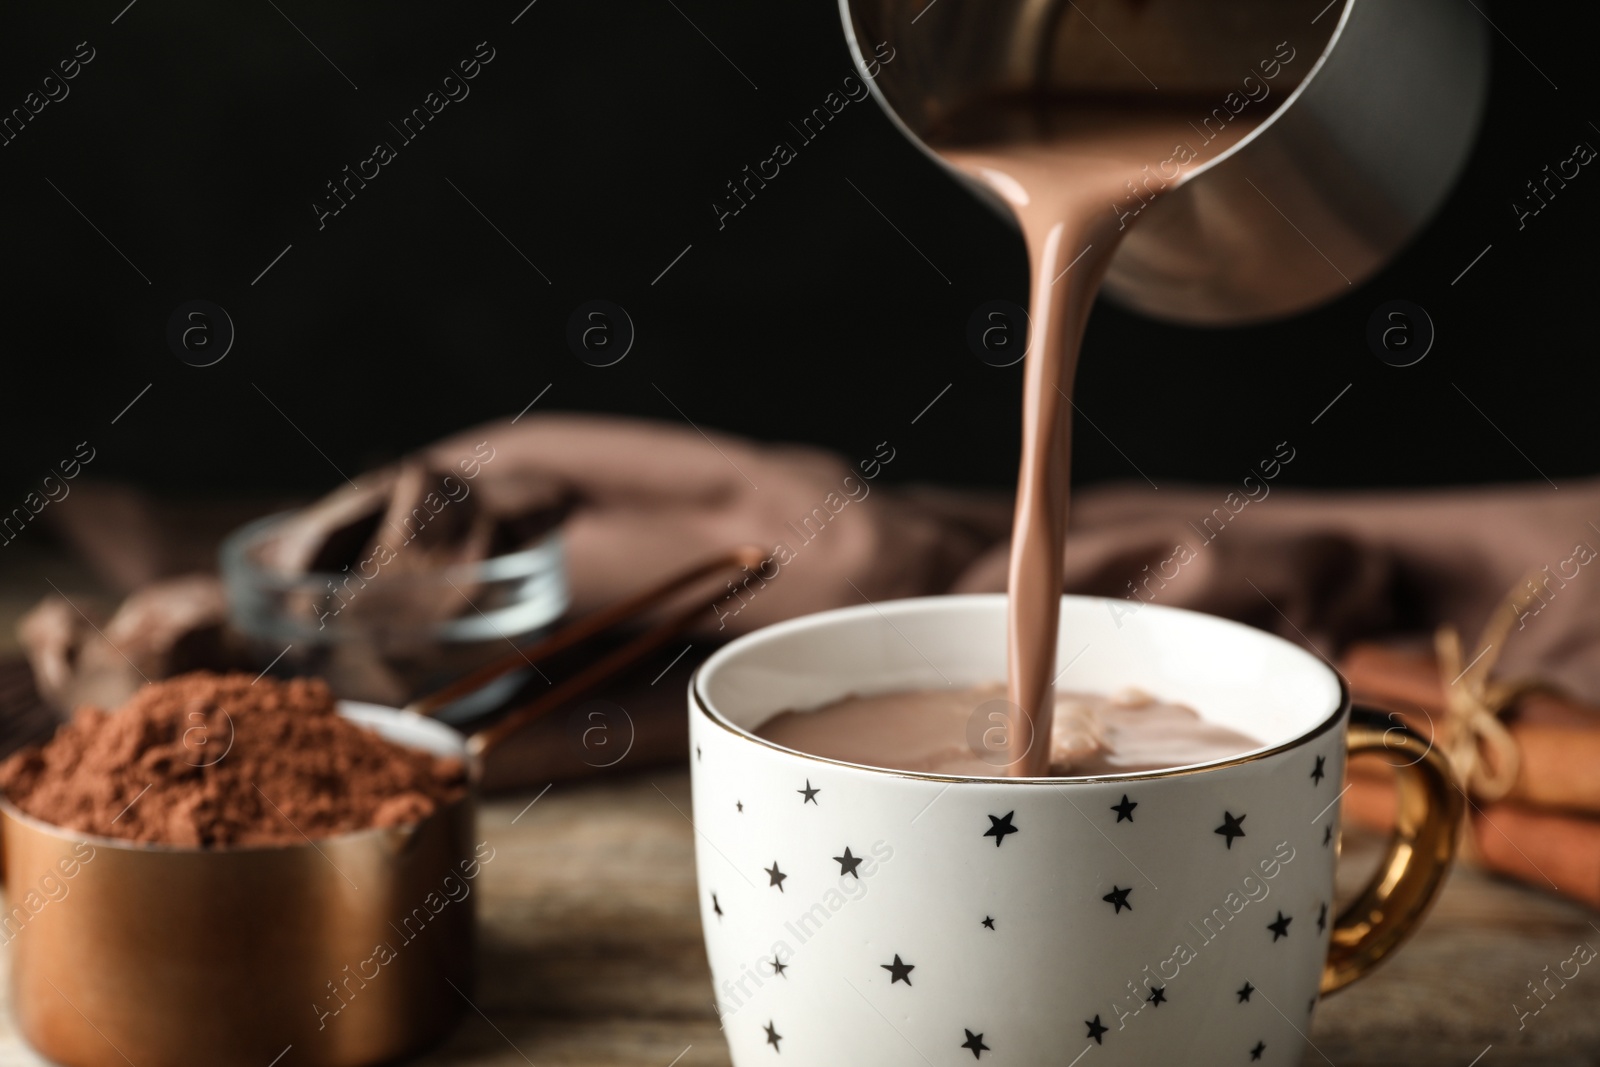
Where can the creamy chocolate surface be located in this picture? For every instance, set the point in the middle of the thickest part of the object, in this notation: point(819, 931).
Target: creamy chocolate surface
point(949, 731)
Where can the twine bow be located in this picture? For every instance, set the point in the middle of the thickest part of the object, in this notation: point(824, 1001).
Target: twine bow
point(1482, 751)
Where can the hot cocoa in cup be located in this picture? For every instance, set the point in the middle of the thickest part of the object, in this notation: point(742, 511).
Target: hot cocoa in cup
point(962, 730)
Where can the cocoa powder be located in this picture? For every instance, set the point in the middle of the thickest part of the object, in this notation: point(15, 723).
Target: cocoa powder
point(215, 760)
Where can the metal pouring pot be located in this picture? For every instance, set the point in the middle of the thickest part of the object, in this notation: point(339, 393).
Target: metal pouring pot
point(1362, 130)
point(345, 951)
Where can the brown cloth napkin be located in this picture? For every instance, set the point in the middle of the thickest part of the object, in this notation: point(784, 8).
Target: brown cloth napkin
point(655, 497)
point(1320, 568)
point(1326, 569)
point(651, 498)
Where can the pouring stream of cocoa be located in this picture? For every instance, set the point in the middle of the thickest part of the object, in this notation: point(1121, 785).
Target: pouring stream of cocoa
point(1076, 178)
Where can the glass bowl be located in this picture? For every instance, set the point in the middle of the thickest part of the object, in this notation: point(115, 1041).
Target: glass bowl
point(388, 638)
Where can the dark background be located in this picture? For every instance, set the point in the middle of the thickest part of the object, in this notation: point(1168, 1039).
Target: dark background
point(596, 141)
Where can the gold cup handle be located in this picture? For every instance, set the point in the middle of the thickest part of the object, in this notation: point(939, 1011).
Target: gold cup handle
point(1413, 869)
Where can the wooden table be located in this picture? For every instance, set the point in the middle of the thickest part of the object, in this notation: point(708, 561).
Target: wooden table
point(591, 954)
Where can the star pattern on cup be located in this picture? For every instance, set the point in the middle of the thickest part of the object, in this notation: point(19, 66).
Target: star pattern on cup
point(999, 827)
point(899, 971)
point(1118, 898)
point(1002, 826)
point(975, 1043)
point(1231, 827)
point(848, 864)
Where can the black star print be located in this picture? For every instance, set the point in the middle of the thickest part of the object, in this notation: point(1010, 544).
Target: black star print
point(1322, 919)
point(715, 906)
point(1317, 773)
point(777, 876)
point(898, 971)
point(778, 967)
point(740, 805)
point(809, 793)
point(1311, 1005)
point(773, 1037)
point(697, 752)
point(1119, 898)
point(975, 1043)
point(848, 863)
point(1096, 1031)
point(988, 921)
point(1125, 809)
point(1231, 827)
point(1000, 827)
point(1327, 835)
point(1280, 928)
point(1255, 1053)
point(1244, 994)
point(1158, 995)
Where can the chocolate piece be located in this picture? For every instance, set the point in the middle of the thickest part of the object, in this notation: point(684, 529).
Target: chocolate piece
point(523, 506)
point(174, 626)
point(416, 517)
point(432, 521)
point(171, 626)
point(329, 535)
point(51, 635)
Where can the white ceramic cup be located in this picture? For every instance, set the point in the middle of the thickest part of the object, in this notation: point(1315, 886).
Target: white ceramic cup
point(861, 916)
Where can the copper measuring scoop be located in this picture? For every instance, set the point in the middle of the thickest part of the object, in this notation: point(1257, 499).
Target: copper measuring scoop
point(353, 949)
